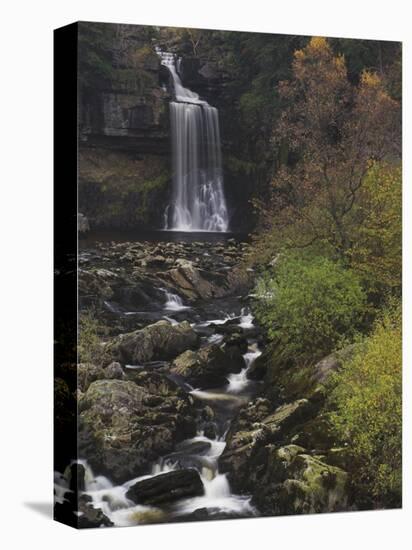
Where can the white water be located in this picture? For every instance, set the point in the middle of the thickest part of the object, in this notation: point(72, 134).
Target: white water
point(174, 302)
point(246, 319)
point(112, 500)
point(198, 199)
point(239, 382)
point(215, 339)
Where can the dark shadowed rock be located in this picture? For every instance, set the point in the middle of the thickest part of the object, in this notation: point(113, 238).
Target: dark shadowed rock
point(90, 516)
point(167, 487)
point(209, 366)
point(257, 370)
point(193, 447)
point(80, 513)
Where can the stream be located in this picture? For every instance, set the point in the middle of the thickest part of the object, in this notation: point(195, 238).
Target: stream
point(201, 452)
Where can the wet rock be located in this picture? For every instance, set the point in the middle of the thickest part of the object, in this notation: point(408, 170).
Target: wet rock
point(77, 477)
point(209, 430)
point(208, 413)
point(207, 367)
point(160, 341)
point(237, 340)
point(80, 513)
point(257, 371)
point(193, 447)
point(167, 487)
point(90, 516)
point(124, 427)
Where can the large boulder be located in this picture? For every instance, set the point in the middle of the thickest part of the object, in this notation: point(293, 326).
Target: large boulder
point(88, 373)
point(297, 483)
point(160, 341)
point(250, 433)
point(124, 427)
point(96, 284)
point(209, 366)
point(289, 415)
point(332, 363)
point(167, 487)
point(195, 283)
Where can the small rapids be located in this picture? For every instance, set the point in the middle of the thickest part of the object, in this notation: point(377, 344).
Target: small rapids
point(238, 382)
point(218, 498)
point(174, 302)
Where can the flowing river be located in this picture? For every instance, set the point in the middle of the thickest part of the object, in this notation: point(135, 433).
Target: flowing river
point(201, 452)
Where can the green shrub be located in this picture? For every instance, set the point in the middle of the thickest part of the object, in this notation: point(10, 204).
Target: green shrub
point(308, 306)
point(89, 345)
point(367, 413)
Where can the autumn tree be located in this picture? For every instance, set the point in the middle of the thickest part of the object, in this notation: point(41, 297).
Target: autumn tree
point(328, 134)
point(376, 252)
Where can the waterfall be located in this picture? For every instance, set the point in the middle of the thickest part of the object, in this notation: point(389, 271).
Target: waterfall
point(198, 198)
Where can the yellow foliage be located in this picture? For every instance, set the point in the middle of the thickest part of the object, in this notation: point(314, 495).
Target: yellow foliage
point(318, 43)
point(376, 252)
point(371, 79)
point(367, 398)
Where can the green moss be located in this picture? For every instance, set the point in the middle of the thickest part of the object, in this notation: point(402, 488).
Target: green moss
point(118, 190)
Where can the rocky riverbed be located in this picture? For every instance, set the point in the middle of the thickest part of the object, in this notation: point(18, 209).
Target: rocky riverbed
point(182, 415)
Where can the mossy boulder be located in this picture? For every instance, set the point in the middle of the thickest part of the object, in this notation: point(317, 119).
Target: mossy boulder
point(245, 455)
point(160, 341)
point(298, 483)
point(124, 427)
point(88, 373)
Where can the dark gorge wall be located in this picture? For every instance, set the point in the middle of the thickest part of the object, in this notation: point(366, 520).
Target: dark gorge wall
point(124, 143)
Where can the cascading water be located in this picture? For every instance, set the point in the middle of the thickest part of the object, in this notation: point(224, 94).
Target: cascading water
point(217, 498)
point(198, 198)
point(174, 302)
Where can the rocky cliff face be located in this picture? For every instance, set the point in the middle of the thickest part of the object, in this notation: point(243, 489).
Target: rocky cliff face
point(124, 145)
